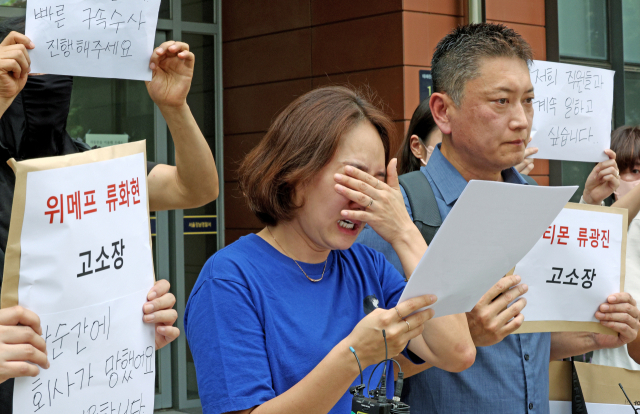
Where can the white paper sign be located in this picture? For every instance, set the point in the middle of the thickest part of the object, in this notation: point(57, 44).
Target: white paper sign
point(572, 111)
point(573, 267)
point(102, 360)
point(95, 38)
point(85, 269)
point(491, 227)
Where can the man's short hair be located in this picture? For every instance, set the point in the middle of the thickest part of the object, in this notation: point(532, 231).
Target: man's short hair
point(300, 142)
point(456, 59)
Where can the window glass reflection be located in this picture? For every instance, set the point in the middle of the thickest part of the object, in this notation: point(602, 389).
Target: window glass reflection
point(107, 112)
point(165, 9)
point(200, 11)
point(13, 3)
point(632, 98)
point(583, 28)
point(630, 24)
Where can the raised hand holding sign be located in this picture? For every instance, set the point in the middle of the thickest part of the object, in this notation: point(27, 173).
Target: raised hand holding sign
point(96, 38)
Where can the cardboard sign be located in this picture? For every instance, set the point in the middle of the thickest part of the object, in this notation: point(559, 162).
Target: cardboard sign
point(574, 266)
point(572, 111)
point(79, 255)
point(598, 385)
point(95, 38)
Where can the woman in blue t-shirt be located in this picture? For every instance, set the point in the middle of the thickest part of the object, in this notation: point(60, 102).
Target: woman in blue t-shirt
point(272, 316)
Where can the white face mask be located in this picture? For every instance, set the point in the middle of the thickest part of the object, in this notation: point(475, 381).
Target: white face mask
point(429, 152)
point(625, 187)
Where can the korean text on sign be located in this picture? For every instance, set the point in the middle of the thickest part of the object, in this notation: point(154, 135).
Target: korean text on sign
point(97, 38)
point(572, 111)
point(85, 269)
point(574, 266)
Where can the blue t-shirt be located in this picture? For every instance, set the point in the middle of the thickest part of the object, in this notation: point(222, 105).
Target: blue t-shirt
point(256, 326)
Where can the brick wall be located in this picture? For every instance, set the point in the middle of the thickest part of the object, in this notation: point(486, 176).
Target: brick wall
point(274, 51)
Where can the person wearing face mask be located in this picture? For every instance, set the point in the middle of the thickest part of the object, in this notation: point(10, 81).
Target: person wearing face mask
point(625, 141)
point(421, 138)
point(33, 114)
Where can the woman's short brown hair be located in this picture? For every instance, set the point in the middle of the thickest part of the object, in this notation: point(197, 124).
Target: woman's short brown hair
point(300, 142)
point(625, 142)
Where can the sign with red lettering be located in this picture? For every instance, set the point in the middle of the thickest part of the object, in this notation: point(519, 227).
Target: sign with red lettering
point(79, 255)
point(576, 264)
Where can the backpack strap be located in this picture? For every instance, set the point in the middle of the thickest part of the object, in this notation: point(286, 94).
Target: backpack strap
point(426, 215)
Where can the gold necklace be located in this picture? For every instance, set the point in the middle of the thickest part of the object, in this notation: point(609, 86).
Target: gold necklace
point(294, 260)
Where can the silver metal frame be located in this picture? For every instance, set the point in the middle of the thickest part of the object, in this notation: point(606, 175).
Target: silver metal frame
point(176, 27)
point(163, 357)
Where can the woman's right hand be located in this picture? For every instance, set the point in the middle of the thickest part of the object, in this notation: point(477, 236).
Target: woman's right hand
point(366, 338)
point(21, 345)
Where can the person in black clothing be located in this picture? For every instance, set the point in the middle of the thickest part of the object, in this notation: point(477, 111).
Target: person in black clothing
point(33, 115)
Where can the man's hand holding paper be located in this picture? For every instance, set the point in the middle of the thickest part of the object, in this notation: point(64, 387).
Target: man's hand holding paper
point(619, 313)
point(603, 180)
point(492, 318)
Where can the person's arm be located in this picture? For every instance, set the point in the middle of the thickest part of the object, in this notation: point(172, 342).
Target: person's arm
point(321, 389)
point(193, 182)
point(14, 67)
point(446, 342)
point(631, 201)
point(22, 348)
point(208, 323)
point(619, 313)
point(603, 180)
point(634, 349)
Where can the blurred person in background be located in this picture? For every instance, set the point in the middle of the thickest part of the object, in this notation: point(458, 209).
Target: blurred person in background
point(625, 142)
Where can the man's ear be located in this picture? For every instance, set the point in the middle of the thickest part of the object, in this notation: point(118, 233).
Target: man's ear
point(441, 105)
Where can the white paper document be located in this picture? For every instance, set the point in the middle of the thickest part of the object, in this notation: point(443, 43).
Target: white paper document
point(573, 267)
point(564, 407)
point(85, 269)
point(491, 227)
point(102, 360)
point(95, 38)
point(572, 111)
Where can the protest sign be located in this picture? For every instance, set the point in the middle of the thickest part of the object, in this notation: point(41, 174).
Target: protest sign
point(574, 266)
point(572, 111)
point(483, 237)
point(95, 38)
point(595, 388)
point(79, 255)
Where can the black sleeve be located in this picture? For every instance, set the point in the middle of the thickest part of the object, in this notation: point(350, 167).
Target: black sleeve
point(150, 166)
